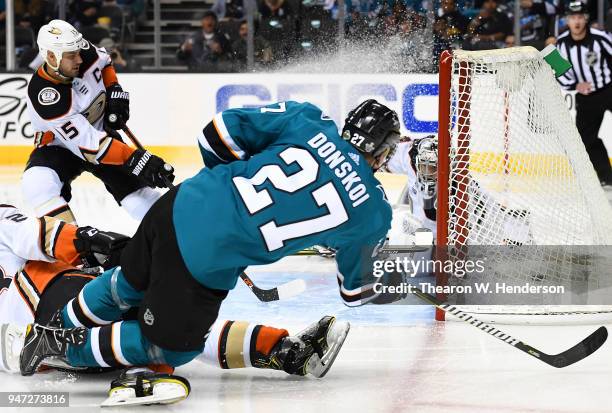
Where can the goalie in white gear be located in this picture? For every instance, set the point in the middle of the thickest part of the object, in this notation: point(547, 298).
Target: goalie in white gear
point(76, 105)
point(418, 159)
point(416, 208)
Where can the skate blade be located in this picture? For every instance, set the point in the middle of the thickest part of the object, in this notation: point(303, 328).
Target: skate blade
point(59, 363)
point(12, 337)
point(335, 339)
point(163, 393)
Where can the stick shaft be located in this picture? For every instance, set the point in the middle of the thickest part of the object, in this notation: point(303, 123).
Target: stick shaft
point(132, 137)
point(578, 352)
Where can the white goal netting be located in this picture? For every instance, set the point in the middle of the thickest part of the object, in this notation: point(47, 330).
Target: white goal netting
point(519, 175)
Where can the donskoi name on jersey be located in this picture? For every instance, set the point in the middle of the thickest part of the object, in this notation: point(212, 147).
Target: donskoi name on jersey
point(337, 162)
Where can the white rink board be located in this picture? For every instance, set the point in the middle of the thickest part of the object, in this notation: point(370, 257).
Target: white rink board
point(170, 109)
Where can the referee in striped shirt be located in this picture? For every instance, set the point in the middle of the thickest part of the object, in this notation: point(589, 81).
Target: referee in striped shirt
point(590, 53)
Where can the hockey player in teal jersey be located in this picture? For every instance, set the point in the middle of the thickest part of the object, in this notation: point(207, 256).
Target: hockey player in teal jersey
point(302, 185)
point(278, 179)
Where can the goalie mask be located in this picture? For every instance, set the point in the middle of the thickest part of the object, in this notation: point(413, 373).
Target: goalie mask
point(426, 163)
point(372, 128)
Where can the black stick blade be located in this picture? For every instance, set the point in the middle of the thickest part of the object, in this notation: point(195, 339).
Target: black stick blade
point(266, 295)
point(581, 350)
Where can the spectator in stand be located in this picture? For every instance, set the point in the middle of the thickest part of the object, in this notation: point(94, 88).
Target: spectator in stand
point(135, 8)
point(263, 50)
point(208, 49)
point(456, 23)
point(393, 15)
point(392, 6)
point(363, 8)
point(534, 25)
point(361, 18)
point(121, 59)
point(275, 8)
point(2, 12)
point(30, 13)
point(489, 29)
point(414, 52)
point(388, 26)
point(228, 9)
point(85, 13)
point(277, 25)
point(449, 29)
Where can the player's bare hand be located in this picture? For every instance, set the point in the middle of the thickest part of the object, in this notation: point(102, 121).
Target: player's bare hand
point(187, 46)
point(584, 88)
point(216, 47)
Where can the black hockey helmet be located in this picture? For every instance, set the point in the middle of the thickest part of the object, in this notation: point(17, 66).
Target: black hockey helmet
point(576, 7)
point(372, 128)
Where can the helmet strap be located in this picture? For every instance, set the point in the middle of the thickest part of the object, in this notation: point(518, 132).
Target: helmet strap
point(56, 69)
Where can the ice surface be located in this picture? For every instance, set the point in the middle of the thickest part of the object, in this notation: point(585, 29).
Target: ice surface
point(395, 359)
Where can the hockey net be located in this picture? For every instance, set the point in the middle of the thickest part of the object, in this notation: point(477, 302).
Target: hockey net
point(514, 171)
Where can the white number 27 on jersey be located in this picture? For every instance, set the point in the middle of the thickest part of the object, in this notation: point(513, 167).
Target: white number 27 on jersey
point(326, 195)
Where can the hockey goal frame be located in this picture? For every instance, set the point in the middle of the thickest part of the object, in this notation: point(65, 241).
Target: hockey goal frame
point(461, 162)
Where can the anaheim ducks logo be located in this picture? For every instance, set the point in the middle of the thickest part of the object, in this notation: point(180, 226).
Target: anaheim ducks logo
point(48, 96)
point(55, 31)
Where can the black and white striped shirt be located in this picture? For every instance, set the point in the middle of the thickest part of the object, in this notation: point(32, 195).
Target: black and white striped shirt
point(591, 59)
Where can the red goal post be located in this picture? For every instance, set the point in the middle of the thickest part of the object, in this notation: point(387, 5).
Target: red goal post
point(505, 130)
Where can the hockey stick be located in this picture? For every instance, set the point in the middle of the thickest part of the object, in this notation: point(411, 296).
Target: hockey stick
point(282, 292)
point(130, 135)
point(568, 357)
point(138, 145)
point(387, 249)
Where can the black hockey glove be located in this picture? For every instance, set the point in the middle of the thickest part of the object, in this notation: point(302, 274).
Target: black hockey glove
point(117, 111)
point(99, 248)
point(151, 169)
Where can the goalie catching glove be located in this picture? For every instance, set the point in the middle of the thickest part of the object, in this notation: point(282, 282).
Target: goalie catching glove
point(151, 169)
point(99, 248)
point(117, 111)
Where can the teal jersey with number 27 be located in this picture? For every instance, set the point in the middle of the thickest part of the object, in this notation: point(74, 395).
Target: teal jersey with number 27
point(279, 179)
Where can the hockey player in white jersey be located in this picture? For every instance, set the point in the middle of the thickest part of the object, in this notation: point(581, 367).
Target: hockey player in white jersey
point(29, 246)
point(37, 270)
point(38, 277)
point(75, 104)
